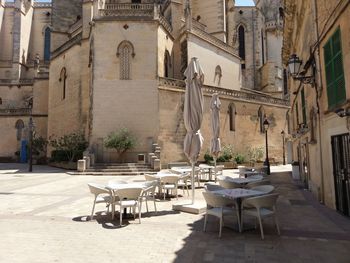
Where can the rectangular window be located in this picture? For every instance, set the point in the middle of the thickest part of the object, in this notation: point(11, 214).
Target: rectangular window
point(303, 105)
point(335, 79)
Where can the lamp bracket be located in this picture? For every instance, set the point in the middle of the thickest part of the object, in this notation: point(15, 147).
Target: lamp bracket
point(305, 79)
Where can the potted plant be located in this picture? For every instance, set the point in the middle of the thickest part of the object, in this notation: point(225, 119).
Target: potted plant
point(122, 141)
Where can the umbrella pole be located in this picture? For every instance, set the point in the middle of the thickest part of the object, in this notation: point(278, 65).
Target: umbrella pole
point(192, 184)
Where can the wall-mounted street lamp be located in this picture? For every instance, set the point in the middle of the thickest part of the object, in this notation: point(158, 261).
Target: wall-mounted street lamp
point(294, 65)
point(267, 161)
point(31, 131)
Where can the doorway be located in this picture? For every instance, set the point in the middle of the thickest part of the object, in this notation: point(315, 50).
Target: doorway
point(341, 172)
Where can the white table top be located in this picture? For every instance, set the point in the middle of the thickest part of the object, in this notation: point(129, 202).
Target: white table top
point(237, 193)
point(206, 166)
point(166, 173)
point(116, 186)
point(183, 169)
point(254, 178)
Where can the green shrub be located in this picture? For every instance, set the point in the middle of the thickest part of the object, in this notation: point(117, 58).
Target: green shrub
point(208, 158)
point(72, 145)
point(239, 158)
point(59, 156)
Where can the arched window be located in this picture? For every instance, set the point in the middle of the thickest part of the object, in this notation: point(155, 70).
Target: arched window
point(218, 75)
point(47, 44)
point(241, 39)
point(19, 127)
point(63, 80)
point(232, 116)
point(262, 116)
point(125, 53)
point(167, 64)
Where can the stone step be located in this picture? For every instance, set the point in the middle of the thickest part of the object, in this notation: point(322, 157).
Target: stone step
point(111, 173)
point(119, 170)
point(122, 166)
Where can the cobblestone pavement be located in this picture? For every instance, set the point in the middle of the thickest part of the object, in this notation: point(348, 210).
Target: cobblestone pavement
point(43, 218)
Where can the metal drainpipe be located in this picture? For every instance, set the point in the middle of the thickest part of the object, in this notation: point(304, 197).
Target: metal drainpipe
point(254, 66)
point(318, 100)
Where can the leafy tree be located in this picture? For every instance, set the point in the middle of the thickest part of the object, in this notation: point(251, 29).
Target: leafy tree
point(39, 145)
point(121, 140)
point(73, 145)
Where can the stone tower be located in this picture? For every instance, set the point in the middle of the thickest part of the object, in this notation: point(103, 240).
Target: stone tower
point(64, 14)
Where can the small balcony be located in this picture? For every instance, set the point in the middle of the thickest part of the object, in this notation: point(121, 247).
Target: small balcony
point(128, 10)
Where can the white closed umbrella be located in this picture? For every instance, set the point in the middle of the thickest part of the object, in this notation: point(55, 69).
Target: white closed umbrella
point(215, 144)
point(193, 113)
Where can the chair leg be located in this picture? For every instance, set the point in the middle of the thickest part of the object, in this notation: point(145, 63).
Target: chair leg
point(146, 204)
point(140, 213)
point(188, 192)
point(154, 202)
point(205, 222)
point(176, 193)
point(220, 226)
point(93, 209)
point(239, 222)
point(261, 228)
point(121, 215)
point(134, 211)
point(277, 226)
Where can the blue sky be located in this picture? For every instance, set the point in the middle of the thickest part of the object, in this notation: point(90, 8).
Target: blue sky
point(244, 2)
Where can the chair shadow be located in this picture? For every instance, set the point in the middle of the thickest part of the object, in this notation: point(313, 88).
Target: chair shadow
point(105, 220)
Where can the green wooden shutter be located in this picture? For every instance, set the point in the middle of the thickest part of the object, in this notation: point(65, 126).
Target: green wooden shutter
point(335, 79)
point(303, 105)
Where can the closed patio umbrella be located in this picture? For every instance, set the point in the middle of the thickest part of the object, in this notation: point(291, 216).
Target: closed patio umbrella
point(215, 145)
point(193, 113)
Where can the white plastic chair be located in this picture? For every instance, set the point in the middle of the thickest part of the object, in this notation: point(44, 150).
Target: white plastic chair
point(213, 187)
point(228, 184)
point(254, 184)
point(218, 171)
point(127, 197)
point(260, 207)
point(184, 181)
point(169, 183)
point(149, 194)
point(218, 206)
point(98, 190)
point(267, 189)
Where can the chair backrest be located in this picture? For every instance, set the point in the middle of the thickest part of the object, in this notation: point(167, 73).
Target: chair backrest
point(262, 182)
point(185, 177)
point(150, 177)
point(97, 189)
point(263, 201)
point(129, 193)
point(219, 168)
point(229, 185)
point(117, 182)
point(267, 189)
point(171, 179)
point(241, 169)
point(213, 187)
point(216, 200)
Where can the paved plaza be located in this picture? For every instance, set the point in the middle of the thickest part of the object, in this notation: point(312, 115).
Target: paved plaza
point(43, 218)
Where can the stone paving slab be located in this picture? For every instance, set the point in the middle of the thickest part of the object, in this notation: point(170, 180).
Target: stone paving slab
point(43, 218)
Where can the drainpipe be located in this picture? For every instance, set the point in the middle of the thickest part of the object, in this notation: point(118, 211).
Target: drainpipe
point(254, 66)
point(319, 88)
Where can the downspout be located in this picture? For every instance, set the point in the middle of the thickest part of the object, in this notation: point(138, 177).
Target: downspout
point(319, 88)
point(254, 66)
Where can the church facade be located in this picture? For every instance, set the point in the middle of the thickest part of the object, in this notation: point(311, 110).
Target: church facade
point(116, 64)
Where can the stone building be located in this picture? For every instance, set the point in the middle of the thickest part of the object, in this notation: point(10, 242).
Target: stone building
point(318, 32)
point(24, 75)
point(120, 64)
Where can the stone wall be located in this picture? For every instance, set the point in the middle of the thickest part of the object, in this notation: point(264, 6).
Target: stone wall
point(172, 130)
point(210, 57)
